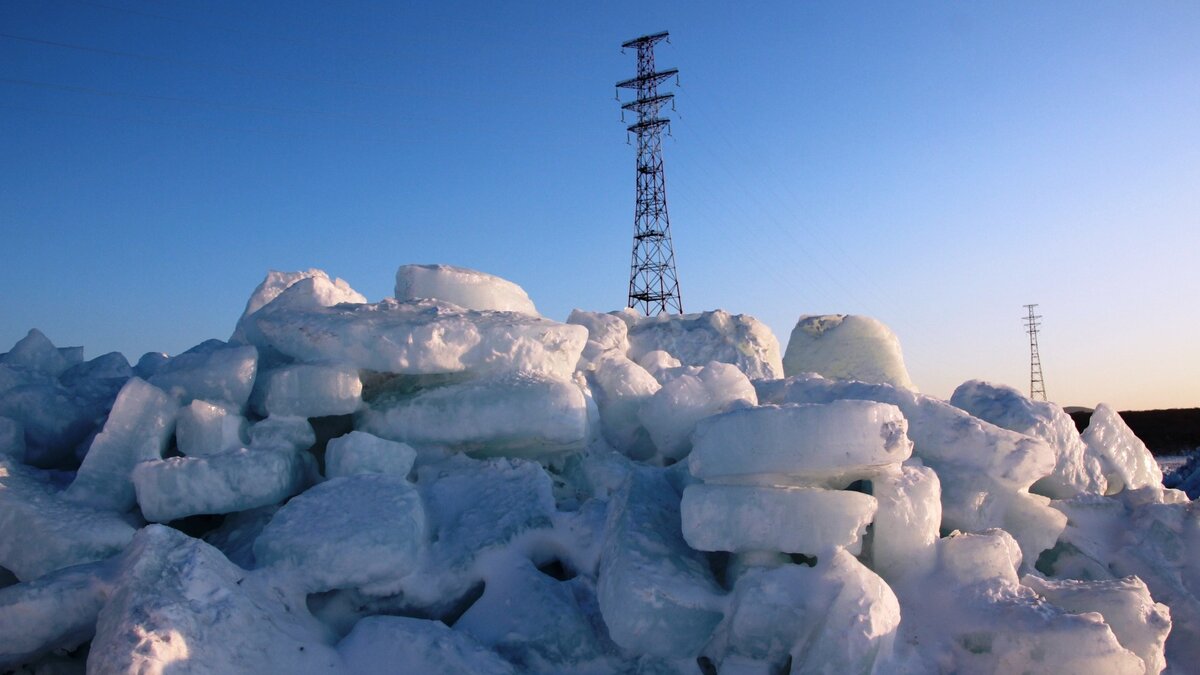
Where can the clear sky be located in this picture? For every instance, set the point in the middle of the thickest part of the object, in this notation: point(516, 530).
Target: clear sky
point(934, 165)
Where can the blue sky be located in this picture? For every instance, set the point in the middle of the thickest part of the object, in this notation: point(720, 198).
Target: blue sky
point(934, 165)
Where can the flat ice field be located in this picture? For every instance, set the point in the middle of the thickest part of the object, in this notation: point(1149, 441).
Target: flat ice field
point(448, 482)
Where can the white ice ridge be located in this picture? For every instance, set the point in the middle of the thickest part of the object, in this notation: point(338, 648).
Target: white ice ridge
point(446, 481)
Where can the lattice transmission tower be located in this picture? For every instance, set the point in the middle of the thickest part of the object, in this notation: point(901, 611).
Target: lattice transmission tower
point(1037, 386)
point(653, 282)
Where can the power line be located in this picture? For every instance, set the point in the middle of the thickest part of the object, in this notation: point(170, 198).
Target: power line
point(156, 97)
point(248, 72)
point(150, 120)
point(201, 24)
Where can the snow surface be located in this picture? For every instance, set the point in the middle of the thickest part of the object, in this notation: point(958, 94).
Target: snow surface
point(447, 482)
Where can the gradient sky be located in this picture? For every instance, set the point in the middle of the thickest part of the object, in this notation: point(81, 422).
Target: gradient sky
point(934, 165)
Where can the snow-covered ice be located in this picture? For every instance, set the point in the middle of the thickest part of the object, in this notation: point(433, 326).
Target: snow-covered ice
point(179, 606)
point(696, 339)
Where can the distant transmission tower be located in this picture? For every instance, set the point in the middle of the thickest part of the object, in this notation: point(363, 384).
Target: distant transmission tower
point(1037, 386)
point(653, 283)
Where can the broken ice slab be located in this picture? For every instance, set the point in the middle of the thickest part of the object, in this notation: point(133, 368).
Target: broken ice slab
point(210, 371)
point(235, 480)
point(346, 532)
point(178, 604)
point(1140, 624)
point(378, 644)
point(539, 623)
point(422, 337)
point(305, 390)
point(360, 452)
point(525, 414)
point(742, 518)
point(821, 445)
point(688, 395)
point(1076, 469)
point(54, 612)
point(1127, 461)
point(204, 428)
point(657, 595)
point(41, 532)
point(835, 617)
point(139, 428)
point(907, 521)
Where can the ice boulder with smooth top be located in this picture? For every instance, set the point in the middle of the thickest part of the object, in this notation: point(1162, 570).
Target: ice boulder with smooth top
point(467, 288)
point(846, 347)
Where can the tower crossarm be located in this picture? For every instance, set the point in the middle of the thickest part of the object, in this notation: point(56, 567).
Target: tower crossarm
point(648, 105)
point(655, 78)
point(641, 127)
point(645, 40)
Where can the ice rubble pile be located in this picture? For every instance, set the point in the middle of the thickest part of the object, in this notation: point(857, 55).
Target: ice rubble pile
point(446, 481)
